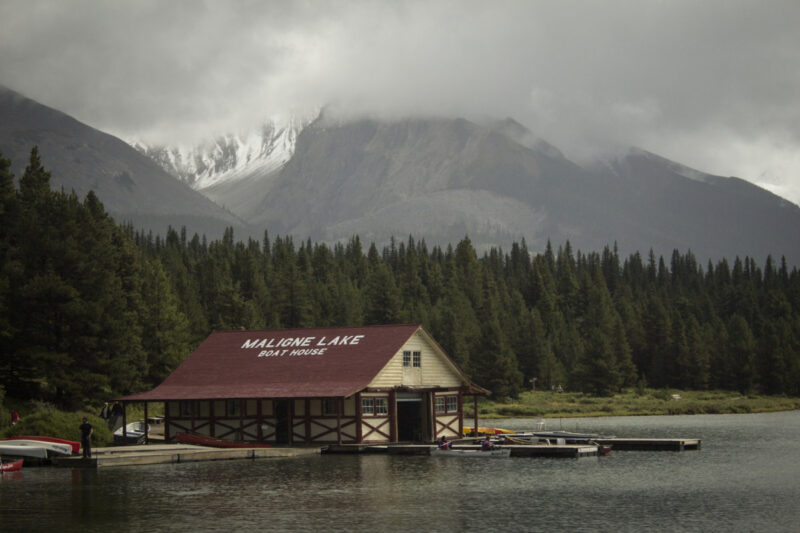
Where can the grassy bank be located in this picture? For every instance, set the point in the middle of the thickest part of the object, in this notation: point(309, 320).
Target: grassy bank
point(549, 404)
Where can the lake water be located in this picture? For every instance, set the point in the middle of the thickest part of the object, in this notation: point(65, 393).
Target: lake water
point(746, 477)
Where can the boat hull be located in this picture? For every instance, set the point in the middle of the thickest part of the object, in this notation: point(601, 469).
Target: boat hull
point(53, 448)
point(76, 446)
point(11, 466)
point(35, 452)
point(472, 454)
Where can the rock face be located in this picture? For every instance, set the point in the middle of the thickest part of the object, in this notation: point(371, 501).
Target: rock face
point(131, 186)
point(435, 179)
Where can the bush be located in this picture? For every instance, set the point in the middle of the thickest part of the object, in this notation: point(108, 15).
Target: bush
point(48, 421)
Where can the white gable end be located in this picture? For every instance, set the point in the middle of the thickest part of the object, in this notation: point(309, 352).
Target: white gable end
point(434, 370)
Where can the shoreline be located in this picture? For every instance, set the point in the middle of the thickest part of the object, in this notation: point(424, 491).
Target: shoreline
point(650, 402)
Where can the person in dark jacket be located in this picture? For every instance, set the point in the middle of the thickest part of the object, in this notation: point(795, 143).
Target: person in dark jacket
point(86, 438)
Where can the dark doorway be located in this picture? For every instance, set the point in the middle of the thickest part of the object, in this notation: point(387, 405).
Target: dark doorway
point(282, 422)
point(409, 421)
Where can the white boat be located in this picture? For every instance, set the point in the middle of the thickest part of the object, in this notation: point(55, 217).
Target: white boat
point(54, 448)
point(134, 432)
point(14, 450)
point(477, 454)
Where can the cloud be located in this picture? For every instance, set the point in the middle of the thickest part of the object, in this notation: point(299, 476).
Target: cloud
point(710, 84)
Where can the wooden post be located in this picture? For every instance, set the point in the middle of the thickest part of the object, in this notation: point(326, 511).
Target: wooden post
point(339, 409)
point(166, 421)
point(124, 421)
point(146, 433)
point(460, 414)
point(475, 406)
point(393, 415)
point(359, 414)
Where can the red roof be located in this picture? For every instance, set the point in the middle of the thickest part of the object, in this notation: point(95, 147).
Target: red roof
point(286, 363)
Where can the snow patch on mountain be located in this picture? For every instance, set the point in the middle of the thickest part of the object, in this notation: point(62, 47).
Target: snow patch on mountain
point(229, 158)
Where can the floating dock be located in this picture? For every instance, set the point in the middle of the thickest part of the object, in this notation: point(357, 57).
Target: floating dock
point(173, 453)
point(522, 450)
point(675, 445)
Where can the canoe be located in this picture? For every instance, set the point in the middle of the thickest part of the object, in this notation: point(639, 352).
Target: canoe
point(11, 466)
point(200, 440)
point(486, 431)
point(55, 448)
point(76, 446)
point(476, 454)
point(37, 452)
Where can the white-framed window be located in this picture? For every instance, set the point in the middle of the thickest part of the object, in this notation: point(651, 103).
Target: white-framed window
point(417, 358)
point(446, 404)
point(367, 406)
point(374, 407)
point(440, 405)
point(406, 358)
point(381, 407)
point(330, 406)
point(452, 403)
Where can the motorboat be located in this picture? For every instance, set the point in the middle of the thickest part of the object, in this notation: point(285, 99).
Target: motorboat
point(133, 433)
point(476, 454)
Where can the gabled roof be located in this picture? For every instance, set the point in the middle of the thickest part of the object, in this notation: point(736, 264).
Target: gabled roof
point(287, 363)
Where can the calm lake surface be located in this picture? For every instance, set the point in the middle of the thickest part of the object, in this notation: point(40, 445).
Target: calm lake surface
point(746, 477)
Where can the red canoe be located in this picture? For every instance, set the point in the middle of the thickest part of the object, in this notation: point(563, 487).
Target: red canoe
point(76, 446)
point(186, 438)
point(13, 466)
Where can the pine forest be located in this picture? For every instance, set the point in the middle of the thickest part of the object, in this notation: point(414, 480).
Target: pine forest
point(90, 309)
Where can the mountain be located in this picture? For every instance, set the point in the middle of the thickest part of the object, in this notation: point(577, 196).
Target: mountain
point(434, 178)
point(132, 187)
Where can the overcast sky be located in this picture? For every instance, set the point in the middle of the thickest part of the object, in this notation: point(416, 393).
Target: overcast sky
point(711, 84)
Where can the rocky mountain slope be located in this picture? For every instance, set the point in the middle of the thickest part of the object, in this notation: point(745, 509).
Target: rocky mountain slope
point(131, 186)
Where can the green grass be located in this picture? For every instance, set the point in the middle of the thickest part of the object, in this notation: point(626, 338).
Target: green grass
point(549, 404)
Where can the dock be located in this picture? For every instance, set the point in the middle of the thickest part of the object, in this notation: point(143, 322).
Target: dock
point(676, 445)
point(522, 450)
point(174, 453)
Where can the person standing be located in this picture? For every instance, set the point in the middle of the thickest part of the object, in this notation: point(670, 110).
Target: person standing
point(86, 438)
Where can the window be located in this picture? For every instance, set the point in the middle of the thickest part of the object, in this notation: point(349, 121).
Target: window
point(330, 406)
point(232, 408)
point(367, 406)
point(185, 408)
point(440, 405)
point(446, 404)
point(452, 404)
point(374, 407)
point(417, 360)
point(381, 407)
point(406, 358)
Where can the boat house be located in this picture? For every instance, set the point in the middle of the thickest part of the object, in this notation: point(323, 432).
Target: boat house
point(370, 384)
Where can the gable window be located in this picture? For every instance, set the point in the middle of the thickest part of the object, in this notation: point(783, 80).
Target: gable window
point(417, 359)
point(330, 406)
point(406, 358)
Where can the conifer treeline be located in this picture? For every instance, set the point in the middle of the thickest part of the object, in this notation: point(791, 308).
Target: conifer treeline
point(116, 310)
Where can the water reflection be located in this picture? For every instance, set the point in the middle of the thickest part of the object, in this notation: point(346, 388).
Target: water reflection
point(745, 478)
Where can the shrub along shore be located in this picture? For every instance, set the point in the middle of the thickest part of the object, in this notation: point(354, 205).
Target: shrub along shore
point(549, 404)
